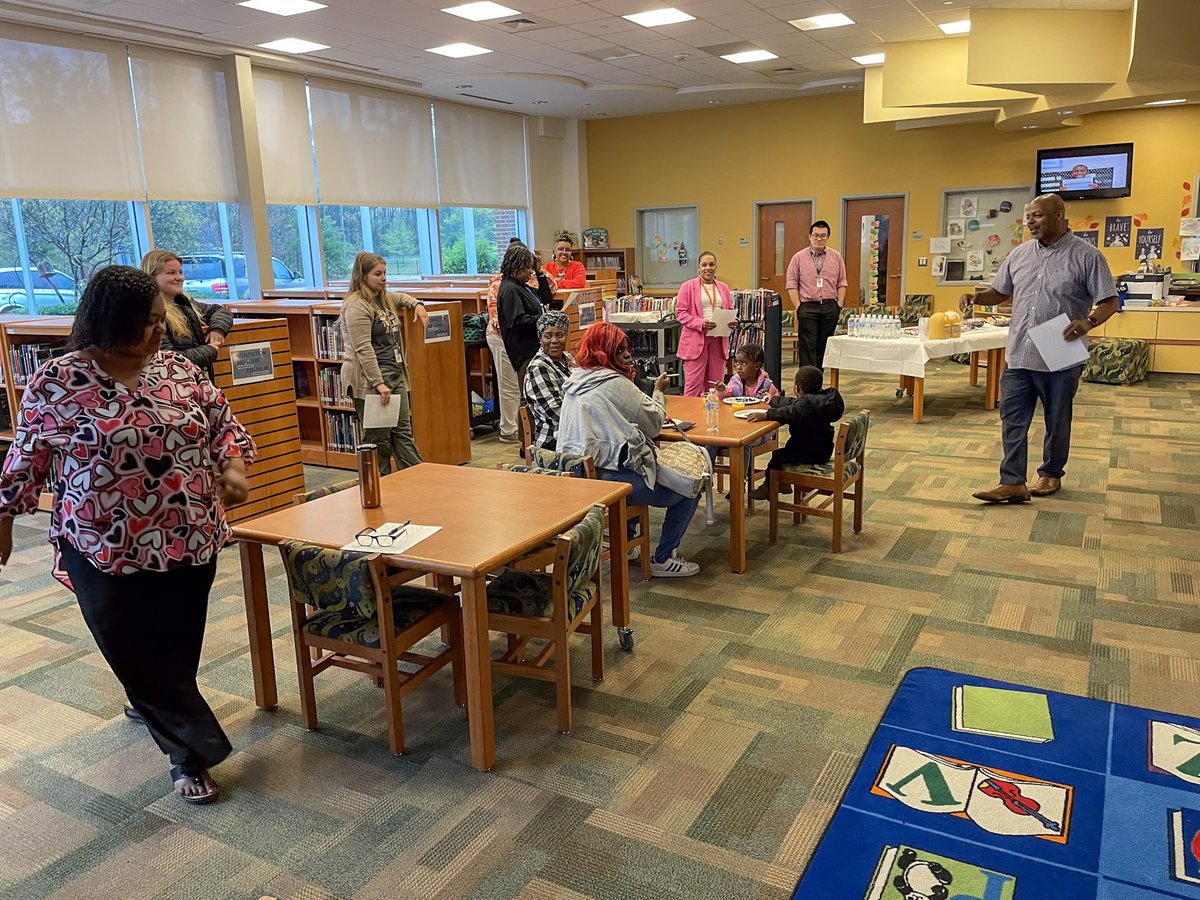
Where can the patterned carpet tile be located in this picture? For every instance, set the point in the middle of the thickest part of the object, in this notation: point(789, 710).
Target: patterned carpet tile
point(705, 764)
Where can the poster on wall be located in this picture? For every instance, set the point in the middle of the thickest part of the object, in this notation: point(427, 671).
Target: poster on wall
point(1189, 248)
point(1149, 242)
point(956, 227)
point(437, 328)
point(1117, 230)
point(939, 245)
point(968, 207)
point(974, 261)
point(1189, 227)
point(1092, 237)
point(939, 266)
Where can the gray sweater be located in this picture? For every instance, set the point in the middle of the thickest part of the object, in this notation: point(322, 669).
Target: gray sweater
point(603, 414)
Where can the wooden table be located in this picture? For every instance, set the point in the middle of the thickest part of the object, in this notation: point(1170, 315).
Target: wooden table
point(735, 435)
point(908, 356)
point(488, 519)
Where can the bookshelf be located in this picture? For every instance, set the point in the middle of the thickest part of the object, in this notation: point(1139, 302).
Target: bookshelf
point(759, 321)
point(654, 346)
point(620, 259)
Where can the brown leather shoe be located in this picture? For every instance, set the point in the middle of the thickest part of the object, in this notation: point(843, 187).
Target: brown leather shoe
point(1046, 486)
point(1004, 493)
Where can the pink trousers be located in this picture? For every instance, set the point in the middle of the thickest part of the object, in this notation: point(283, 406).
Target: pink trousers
point(709, 366)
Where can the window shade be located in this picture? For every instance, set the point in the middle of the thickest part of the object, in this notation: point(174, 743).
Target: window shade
point(284, 137)
point(183, 119)
point(67, 113)
point(374, 147)
point(480, 157)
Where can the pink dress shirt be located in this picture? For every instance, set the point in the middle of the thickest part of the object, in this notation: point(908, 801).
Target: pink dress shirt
point(802, 275)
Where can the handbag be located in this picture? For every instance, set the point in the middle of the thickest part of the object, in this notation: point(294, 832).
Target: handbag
point(686, 468)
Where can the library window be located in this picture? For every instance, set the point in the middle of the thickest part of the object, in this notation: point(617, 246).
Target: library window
point(668, 244)
point(295, 256)
point(487, 230)
point(51, 247)
point(207, 237)
point(342, 232)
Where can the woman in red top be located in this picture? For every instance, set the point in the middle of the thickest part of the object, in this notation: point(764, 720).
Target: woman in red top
point(569, 273)
point(129, 440)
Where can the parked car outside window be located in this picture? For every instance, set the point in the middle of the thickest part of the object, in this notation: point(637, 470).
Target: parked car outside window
point(205, 276)
point(54, 295)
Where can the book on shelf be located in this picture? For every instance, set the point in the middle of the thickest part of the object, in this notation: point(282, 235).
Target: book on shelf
point(329, 338)
point(342, 431)
point(28, 358)
point(331, 389)
point(605, 262)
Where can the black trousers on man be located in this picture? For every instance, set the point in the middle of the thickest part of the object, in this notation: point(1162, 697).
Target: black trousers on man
point(149, 627)
point(816, 321)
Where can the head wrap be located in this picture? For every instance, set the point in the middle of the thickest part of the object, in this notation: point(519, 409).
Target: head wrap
point(598, 349)
point(552, 318)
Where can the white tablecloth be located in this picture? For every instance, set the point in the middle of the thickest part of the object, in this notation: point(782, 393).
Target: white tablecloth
point(908, 355)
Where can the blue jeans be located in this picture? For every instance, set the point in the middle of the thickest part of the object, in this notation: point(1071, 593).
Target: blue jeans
point(1020, 390)
point(680, 509)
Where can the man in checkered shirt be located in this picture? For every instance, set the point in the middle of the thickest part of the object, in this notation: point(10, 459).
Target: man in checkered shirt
point(1054, 273)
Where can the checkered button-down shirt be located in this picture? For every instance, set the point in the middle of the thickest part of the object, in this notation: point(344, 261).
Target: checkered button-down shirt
point(1070, 276)
point(544, 379)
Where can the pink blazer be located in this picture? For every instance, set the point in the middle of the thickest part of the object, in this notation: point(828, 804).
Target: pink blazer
point(690, 310)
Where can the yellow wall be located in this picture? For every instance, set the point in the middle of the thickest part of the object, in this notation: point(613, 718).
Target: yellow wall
point(723, 160)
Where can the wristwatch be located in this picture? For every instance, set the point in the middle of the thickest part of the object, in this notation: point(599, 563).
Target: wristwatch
point(1093, 321)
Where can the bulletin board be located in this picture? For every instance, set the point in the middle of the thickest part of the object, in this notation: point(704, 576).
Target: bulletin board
point(979, 229)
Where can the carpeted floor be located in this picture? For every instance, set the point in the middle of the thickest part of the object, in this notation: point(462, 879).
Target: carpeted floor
point(708, 761)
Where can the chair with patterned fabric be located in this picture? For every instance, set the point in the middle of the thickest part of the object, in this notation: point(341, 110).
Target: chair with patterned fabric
point(532, 470)
point(583, 467)
point(842, 476)
point(353, 609)
point(324, 491)
point(527, 604)
point(915, 307)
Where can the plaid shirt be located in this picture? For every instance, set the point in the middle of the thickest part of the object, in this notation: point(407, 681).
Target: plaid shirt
point(544, 379)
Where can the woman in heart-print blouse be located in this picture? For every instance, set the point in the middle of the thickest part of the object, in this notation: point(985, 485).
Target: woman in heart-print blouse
point(129, 438)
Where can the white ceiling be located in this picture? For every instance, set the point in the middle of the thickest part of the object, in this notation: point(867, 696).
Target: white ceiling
point(554, 67)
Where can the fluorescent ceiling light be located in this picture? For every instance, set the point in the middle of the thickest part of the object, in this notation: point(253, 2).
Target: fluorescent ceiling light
point(655, 17)
point(749, 56)
point(293, 45)
point(1167, 102)
point(458, 51)
point(481, 12)
point(963, 26)
point(871, 59)
point(283, 7)
point(832, 20)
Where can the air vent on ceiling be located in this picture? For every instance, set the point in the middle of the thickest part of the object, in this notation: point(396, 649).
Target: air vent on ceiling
point(609, 54)
point(486, 99)
point(521, 24)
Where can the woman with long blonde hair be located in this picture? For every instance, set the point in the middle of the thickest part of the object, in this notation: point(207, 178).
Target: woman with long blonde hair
point(370, 324)
point(187, 318)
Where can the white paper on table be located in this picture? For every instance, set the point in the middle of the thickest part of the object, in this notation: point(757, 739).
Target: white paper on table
point(1057, 352)
point(412, 534)
point(376, 415)
point(724, 318)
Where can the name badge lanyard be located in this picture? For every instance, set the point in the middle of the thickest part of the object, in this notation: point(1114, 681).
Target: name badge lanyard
point(818, 264)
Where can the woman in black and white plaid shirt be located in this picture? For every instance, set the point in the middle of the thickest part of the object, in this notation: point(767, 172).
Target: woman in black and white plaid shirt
point(545, 375)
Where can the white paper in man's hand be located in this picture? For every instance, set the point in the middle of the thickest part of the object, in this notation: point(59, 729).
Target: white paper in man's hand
point(1057, 352)
point(376, 415)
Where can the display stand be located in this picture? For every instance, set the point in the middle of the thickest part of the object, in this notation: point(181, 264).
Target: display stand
point(759, 321)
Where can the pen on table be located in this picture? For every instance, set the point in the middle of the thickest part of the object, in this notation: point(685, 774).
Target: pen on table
point(392, 532)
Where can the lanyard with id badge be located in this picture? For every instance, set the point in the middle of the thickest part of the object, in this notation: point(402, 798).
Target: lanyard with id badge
point(818, 265)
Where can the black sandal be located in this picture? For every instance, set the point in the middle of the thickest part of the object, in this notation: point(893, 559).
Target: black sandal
point(178, 773)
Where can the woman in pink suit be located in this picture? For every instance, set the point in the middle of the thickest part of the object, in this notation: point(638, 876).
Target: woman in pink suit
point(703, 352)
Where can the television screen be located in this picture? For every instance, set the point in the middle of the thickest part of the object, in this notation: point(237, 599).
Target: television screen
point(1102, 171)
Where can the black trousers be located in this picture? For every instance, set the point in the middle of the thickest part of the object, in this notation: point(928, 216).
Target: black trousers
point(149, 627)
point(815, 324)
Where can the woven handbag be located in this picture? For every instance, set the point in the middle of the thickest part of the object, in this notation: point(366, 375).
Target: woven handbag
point(686, 468)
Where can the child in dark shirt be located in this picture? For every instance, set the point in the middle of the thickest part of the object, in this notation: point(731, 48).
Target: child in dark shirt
point(809, 416)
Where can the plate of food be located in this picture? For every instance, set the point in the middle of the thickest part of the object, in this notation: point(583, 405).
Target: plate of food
point(744, 413)
point(744, 401)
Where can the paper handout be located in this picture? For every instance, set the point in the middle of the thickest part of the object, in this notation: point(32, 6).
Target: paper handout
point(376, 415)
point(724, 318)
point(1057, 352)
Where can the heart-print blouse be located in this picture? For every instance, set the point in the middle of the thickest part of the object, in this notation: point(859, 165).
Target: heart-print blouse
point(133, 472)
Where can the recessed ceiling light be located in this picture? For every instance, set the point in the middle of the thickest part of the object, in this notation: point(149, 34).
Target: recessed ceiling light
point(293, 45)
point(481, 12)
point(749, 56)
point(962, 26)
point(1066, 112)
point(1028, 127)
point(458, 51)
point(283, 7)
point(1167, 102)
point(716, 102)
point(832, 20)
point(540, 102)
point(601, 115)
point(668, 15)
point(871, 59)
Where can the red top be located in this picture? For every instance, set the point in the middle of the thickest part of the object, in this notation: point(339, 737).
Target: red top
point(131, 471)
point(573, 278)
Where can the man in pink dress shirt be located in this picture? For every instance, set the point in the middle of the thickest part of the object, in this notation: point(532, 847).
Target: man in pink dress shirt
point(816, 284)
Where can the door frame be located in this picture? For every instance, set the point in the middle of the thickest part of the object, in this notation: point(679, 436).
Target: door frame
point(812, 201)
point(881, 195)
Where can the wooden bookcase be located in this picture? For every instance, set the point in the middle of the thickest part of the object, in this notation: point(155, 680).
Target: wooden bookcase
point(604, 264)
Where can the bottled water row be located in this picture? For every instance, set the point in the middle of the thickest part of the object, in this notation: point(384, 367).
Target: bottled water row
point(874, 326)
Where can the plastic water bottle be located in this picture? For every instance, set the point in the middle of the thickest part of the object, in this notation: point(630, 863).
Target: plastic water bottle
point(712, 411)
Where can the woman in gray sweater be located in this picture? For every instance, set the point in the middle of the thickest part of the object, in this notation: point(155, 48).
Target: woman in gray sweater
point(605, 416)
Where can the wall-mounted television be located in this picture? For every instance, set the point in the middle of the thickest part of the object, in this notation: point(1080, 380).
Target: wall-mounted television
point(1098, 172)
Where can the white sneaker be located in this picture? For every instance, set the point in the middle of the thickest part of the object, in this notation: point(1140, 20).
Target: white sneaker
point(634, 554)
point(675, 567)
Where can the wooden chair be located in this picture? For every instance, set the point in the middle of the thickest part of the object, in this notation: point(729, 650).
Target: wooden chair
point(721, 466)
point(835, 480)
point(527, 604)
point(583, 467)
point(525, 430)
point(367, 621)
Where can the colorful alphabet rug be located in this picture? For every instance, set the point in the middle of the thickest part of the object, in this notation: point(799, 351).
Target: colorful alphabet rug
point(973, 789)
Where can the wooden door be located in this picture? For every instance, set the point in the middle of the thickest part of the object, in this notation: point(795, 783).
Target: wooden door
point(874, 250)
point(782, 233)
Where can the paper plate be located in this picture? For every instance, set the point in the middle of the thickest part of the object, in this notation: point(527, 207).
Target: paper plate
point(743, 413)
point(745, 401)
